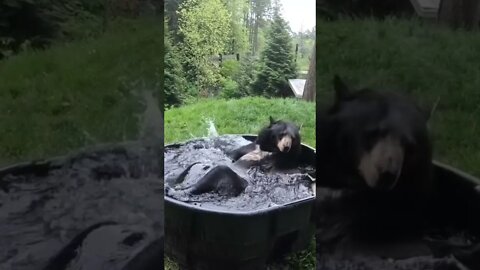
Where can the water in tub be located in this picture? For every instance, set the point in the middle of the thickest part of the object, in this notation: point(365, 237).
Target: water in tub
point(265, 188)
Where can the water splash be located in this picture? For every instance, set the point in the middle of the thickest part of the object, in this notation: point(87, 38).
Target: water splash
point(212, 131)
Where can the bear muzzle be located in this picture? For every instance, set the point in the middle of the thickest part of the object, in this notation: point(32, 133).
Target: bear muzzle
point(381, 167)
point(285, 144)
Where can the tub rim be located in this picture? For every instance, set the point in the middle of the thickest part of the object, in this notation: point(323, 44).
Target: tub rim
point(457, 172)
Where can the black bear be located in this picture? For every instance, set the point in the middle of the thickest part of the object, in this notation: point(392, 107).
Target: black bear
point(281, 139)
point(374, 164)
point(373, 139)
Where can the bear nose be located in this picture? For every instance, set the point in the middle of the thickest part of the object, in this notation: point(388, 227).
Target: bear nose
point(286, 148)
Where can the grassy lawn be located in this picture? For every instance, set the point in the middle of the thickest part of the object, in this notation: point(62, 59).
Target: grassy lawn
point(435, 65)
point(80, 93)
point(247, 115)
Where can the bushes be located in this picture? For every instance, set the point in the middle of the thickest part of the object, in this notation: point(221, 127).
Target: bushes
point(239, 77)
point(230, 89)
point(246, 75)
point(230, 68)
point(229, 71)
point(22, 20)
point(204, 27)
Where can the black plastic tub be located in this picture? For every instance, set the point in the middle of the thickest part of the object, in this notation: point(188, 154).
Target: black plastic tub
point(199, 238)
point(449, 238)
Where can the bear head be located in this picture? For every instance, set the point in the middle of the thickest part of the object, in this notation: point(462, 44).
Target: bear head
point(279, 137)
point(374, 139)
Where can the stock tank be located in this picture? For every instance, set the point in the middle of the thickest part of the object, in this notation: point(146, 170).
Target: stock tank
point(198, 237)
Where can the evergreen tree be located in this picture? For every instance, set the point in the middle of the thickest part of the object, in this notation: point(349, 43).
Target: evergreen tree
point(277, 63)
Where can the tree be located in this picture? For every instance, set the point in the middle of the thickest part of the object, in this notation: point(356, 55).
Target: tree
point(171, 8)
point(261, 8)
point(277, 63)
point(205, 31)
point(255, 19)
point(255, 16)
point(239, 37)
point(309, 91)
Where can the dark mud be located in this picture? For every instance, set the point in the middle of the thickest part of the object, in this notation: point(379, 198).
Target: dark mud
point(265, 188)
point(100, 209)
point(356, 232)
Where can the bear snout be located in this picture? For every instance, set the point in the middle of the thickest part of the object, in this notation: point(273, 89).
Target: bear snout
point(382, 165)
point(285, 144)
point(379, 179)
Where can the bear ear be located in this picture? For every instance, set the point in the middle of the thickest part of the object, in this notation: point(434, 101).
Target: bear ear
point(341, 89)
point(271, 120)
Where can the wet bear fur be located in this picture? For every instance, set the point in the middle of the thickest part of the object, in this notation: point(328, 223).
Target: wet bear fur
point(374, 153)
point(280, 141)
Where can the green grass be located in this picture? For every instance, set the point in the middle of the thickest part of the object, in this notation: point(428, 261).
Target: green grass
point(79, 93)
point(428, 62)
point(247, 115)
